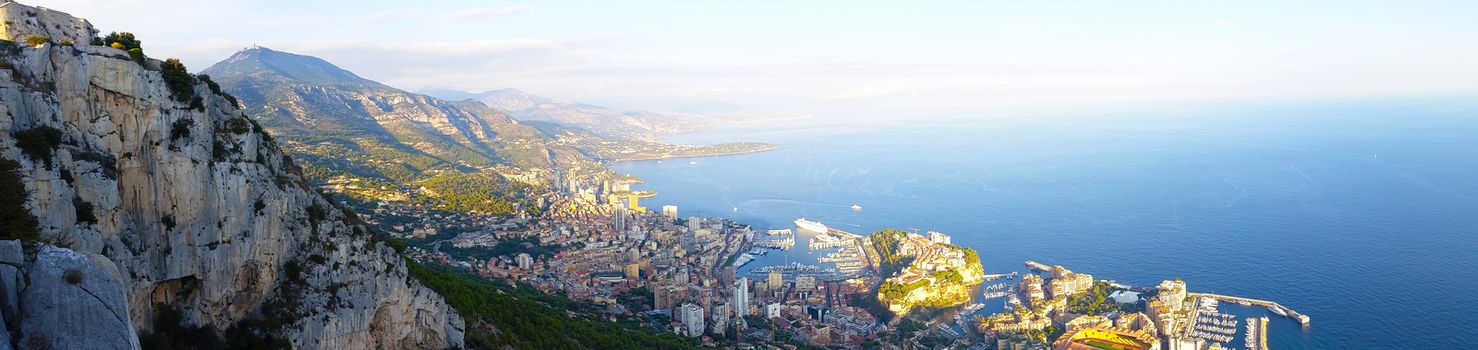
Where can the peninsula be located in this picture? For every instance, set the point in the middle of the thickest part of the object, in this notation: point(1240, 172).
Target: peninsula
point(923, 271)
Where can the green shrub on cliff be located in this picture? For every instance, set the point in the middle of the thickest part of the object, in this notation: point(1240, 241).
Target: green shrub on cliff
point(181, 84)
point(39, 142)
point(16, 222)
point(35, 40)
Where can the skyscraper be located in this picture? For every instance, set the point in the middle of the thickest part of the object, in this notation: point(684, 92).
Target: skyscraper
point(524, 261)
point(777, 280)
point(670, 211)
point(691, 316)
point(739, 297)
point(618, 219)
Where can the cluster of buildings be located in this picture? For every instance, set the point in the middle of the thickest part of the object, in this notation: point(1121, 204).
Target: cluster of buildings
point(939, 270)
point(1041, 303)
point(611, 249)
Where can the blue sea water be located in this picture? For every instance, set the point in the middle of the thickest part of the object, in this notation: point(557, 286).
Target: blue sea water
point(1363, 218)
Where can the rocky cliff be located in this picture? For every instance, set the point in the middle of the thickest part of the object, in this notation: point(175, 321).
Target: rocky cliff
point(184, 202)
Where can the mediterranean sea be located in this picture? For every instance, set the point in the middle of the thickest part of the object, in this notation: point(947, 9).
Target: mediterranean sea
point(1364, 218)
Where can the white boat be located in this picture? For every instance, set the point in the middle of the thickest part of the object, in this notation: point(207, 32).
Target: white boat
point(1277, 310)
point(856, 207)
point(808, 225)
point(692, 162)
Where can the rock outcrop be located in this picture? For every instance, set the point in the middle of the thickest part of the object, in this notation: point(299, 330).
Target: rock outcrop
point(73, 301)
point(188, 204)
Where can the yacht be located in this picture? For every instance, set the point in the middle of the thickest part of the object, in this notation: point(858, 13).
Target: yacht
point(813, 226)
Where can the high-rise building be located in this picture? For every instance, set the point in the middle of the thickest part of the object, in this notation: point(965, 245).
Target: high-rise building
point(691, 316)
point(739, 297)
point(633, 272)
point(663, 296)
point(694, 223)
point(719, 318)
point(618, 219)
point(805, 283)
point(670, 211)
point(777, 280)
point(524, 261)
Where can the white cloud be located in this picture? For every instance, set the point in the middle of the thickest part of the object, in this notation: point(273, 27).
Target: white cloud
point(486, 12)
point(382, 16)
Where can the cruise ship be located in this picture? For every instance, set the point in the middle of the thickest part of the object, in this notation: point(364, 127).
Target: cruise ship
point(808, 225)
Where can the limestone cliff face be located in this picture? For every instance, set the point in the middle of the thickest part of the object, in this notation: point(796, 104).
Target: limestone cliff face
point(193, 206)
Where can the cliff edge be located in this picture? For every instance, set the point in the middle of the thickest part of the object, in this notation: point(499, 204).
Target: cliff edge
point(160, 185)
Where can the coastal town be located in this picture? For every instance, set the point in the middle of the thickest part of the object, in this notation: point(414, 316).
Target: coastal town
point(695, 277)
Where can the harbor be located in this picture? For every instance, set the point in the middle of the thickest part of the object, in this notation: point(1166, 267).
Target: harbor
point(1257, 333)
point(1276, 308)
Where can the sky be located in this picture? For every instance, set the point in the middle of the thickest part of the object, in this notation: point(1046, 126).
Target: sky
point(845, 57)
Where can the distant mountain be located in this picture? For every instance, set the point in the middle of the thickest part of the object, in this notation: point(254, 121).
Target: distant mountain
point(635, 125)
point(350, 129)
point(266, 65)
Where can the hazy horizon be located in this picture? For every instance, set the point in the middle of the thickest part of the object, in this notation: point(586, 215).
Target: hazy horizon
point(846, 58)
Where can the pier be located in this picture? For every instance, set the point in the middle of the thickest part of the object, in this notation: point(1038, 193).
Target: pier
point(1257, 333)
point(1301, 318)
point(998, 276)
point(1038, 267)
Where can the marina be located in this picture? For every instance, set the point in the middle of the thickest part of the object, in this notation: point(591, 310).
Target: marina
point(1257, 333)
point(998, 290)
point(1212, 326)
point(1273, 307)
point(786, 243)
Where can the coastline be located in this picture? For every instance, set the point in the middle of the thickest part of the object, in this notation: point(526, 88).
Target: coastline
point(718, 154)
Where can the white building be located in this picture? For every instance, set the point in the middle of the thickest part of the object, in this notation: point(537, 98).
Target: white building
point(772, 310)
point(694, 223)
point(739, 297)
point(524, 261)
point(938, 237)
point(670, 211)
point(691, 317)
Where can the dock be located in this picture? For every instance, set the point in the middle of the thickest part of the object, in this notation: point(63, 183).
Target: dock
point(1301, 318)
point(1257, 333)
point(998, 276)
point(1038, 267)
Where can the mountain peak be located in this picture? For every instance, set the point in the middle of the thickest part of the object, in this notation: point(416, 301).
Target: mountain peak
point(263, 63)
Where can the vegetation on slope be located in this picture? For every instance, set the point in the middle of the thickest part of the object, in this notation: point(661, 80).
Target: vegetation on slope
point(486, 193)
point(885, 243)
point(15, 221)
point(1096, 301)
point(499, 316)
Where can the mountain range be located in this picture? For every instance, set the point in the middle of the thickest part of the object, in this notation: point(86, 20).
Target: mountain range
point(376, 140)
point(641, 125)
